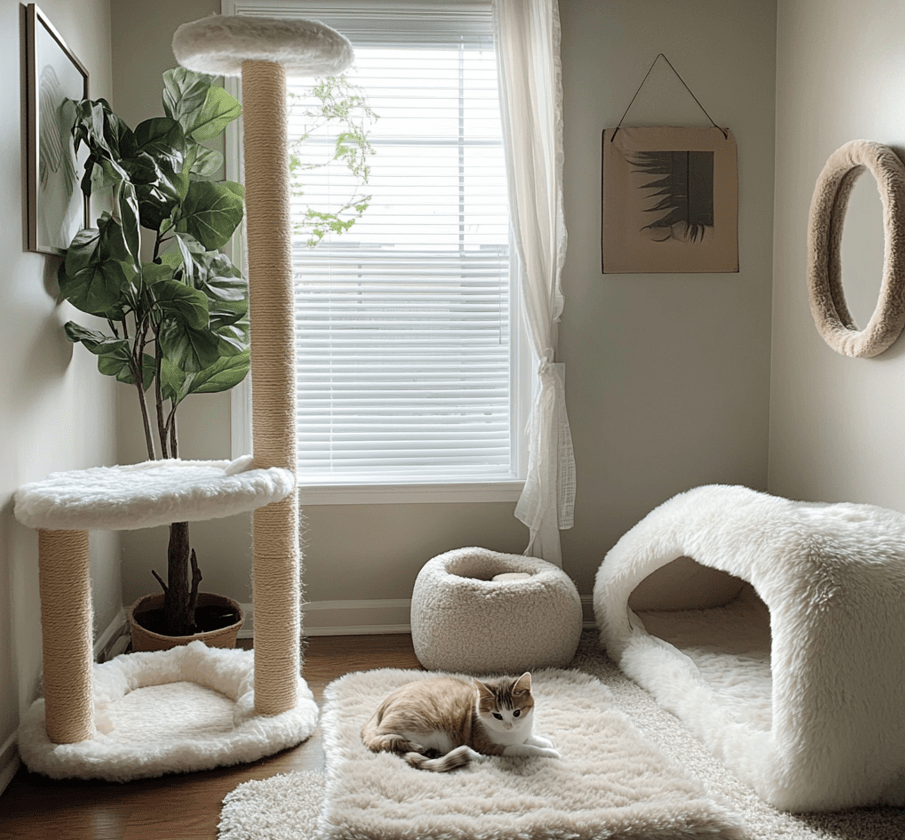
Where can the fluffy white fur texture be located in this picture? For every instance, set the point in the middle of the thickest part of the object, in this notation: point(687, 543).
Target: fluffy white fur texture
point(175, 711)
point(283, 807)
point(218, 45)
point(286, 807)
point(152, 493)
point(610, 781)
point(463, 620)
point(833, 579)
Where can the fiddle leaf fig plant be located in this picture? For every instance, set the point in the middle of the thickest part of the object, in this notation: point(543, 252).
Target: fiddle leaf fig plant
point(175, 307)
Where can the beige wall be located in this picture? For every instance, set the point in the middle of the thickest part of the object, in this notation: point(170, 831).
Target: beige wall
point(56, 413)
point(836, 422)
point(668, 375)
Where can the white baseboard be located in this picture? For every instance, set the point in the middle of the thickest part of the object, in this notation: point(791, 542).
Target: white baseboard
point(368, 617)
point(358, 618)
point(9, 762)
point(113, 640)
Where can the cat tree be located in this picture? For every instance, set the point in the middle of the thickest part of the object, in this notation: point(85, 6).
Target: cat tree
point(68, 733)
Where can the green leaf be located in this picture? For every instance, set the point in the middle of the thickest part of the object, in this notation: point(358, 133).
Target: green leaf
point(140, 169)
point(159, 176)
point(211, 212)
point(184, 95)
point(82, 250)
point(182, 252)
point(77, 333)
point(111, 241)
point(98, 289)
point(182, 303)
point(172, 381)
point(161, 138)
point(92, 280)
point(224, 286)
point(190, 350)
point(102, 175)
point(220, 109)
point(129, 214)
point(203, 162)
point(153, 273)
point(221, 376)
point(114, 354)
point(232, 335)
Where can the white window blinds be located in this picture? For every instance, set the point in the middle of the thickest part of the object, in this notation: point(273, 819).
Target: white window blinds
point(404, 353)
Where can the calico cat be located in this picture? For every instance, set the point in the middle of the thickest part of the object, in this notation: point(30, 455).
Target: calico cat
point(457, 719)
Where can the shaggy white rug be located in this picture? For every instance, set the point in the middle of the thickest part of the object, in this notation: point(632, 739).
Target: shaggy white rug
point(286, 807)
point(610, 782)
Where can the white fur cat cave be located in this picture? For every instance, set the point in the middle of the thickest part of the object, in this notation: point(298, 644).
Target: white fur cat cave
point(813, 721)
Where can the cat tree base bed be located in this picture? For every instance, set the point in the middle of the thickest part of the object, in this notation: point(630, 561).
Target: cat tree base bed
point(176, 711)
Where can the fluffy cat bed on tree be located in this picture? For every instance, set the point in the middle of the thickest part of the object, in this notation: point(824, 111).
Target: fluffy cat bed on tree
point(815, 720)
point(465, 621)
point(176, 711)
point(133, 496)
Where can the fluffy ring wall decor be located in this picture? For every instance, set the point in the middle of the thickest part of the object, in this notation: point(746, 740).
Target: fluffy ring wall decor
point(827, 215)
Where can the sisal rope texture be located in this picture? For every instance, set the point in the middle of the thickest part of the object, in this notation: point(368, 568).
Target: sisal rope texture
point(277, 560)
point(64, 580)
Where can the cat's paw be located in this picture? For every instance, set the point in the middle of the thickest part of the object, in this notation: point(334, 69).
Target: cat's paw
point(540, 741)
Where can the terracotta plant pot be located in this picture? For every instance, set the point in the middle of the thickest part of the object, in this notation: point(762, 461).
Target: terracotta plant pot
point(144, 639)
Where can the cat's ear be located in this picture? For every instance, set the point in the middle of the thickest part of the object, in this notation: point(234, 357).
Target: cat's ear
point(523, 684)
point(483, 690)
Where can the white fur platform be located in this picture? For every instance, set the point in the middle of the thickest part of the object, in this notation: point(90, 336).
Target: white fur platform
point(814, 720)
point(176, 711)
point(463, 619)
point(152, 493)
point(218, 45)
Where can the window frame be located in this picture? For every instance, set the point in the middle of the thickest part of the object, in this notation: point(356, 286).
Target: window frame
point(384, 492)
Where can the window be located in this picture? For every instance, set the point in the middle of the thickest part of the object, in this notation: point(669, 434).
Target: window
point(407, 362)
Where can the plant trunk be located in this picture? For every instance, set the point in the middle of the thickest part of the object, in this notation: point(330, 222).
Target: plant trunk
point(181, 592)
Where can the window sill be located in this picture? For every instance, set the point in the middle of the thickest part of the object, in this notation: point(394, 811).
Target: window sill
point(404, 494)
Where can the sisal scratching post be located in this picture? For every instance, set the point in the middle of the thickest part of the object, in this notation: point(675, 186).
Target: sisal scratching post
point(262, 51)
point(276, 527)
point(67, 632)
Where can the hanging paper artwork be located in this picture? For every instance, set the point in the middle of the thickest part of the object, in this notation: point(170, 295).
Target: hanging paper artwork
point(670, 200)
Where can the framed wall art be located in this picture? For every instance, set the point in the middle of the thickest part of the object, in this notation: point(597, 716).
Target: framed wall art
point(670, 200)
point(57, 208)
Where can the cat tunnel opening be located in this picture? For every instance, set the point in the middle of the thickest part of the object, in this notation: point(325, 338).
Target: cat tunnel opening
point(720, 623)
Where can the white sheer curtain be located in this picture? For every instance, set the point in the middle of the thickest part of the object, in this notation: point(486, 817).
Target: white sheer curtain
point(527, 35)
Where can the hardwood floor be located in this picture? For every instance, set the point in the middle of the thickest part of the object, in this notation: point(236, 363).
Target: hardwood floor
point(183, 807)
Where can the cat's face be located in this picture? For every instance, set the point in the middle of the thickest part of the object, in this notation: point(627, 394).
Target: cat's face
point(505, 705)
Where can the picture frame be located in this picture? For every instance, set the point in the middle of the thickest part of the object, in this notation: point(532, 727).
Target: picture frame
point(669, 200)
point(57, 208)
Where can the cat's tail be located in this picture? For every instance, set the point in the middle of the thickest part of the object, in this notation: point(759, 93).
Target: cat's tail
point(459, 757)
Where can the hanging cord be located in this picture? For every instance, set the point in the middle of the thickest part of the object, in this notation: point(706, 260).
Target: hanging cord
point(659, 56)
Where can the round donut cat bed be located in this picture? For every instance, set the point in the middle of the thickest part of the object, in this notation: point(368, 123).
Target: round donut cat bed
point(76, 731)
point(477, 611)
point(775, 632)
